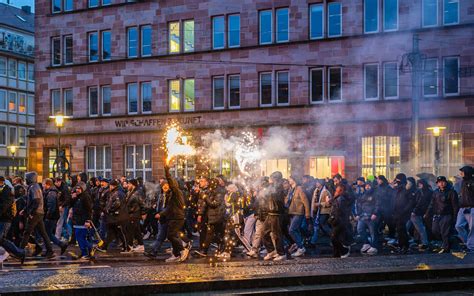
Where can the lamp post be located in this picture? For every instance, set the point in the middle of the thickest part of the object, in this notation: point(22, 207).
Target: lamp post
point(13, 152)
point(436, 130)
point(61, 165)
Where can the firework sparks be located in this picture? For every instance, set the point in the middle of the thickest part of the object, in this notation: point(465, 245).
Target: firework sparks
point(247, 153)
point(176, 143)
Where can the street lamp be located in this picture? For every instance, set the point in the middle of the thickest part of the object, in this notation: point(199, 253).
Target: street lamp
point(61, 160)
point(436, 130)
point(12, 149)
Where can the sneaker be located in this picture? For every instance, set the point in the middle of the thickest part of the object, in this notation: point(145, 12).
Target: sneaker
point(139, 249)
point(442, 251)
point(292, 248)
point(392, 242)
point(348, 252)
point(372, 251)
point(147, 235)
point(63, 249)
point(4, 256)
point(300, 252)
point(38, 251)
point(422, 247)
point(270, 256)
point(365, 248)
point(280, 258)
point(185, 252)
point(200, 253)
point(150, 254)
point(99, 249)
point(49, 255)
point(173, 258)
point(252, 254)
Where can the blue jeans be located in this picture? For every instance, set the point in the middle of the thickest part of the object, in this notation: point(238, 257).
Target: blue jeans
point(160, 237)
point(50, 226)
point(102, 227)
point(320, 224)
point(420, 227)
point(6, 244)
point(365, 224)
point(464, 226)
point(82, 239)
point(295, 229)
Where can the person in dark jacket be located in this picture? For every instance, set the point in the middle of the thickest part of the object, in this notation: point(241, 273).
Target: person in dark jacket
point(422, 199)
point(81, 218)
point(368, 210)
point(162, 233)
point(341, 208)
point(444, 206)
point(64, 200)
point(51, 213)
point(405, 191)
point(174, 214)
point(465, 216)
point(386, 195)
point(102, 197)
point(133, 201)
point(34, 212)
point(6, 217)
point(259, 206)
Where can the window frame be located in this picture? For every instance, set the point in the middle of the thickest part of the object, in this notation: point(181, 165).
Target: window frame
point(24, 72)
point(32, 65)
point(170, 93)
point(385, 97)
point(183, 94)
point(377, 83)
point(229, 30)
point(377, 17)
point(224, 41)
point(30, 111)
point(229, 77)
point(53, 54)
point(436, 79)
point(90, 102)
point(64, 6)
point(260, 26)
point(276, 25)
point(15, 62)
point(271, 87)
point(64, 109)
point(397, 13)
point(5, 70)
point(183, 36)
point(277, 83)
point(24, 136)
point(340, 19)
point(323, 18)
point(10, 128)
point(329, 84)
point(25, 97)
point(179, 37)
point(135, 171)
point(95, 171)
point(6, 99)
point(323, 83)
point(102, 42)
point(444, 77)
point(6, 139)
point(214, 78)
point(92, 6)
point(142, 45)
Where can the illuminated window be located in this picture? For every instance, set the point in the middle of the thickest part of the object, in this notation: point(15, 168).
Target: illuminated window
point(175, 95)
point(188, 35)
point(189, 95)
point(99, 161)
point(451, 153)
point(138, 161)
point(381, 156)
point(22, 103)
point(12, 106)
point(226, 166)
point(174, 37)
point(272, 165)
point(182, 167)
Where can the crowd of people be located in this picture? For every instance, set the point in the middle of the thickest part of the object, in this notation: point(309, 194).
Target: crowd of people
point(270, 217)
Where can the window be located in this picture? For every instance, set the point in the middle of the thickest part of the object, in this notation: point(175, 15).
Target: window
point(93, 3)
point(316, 19)
point(106, 100)
point(390, 15)
point(22, 137)
point(68, 5)
point(31, 105)
point(146, 41)
point(132, 42)
point(218, 32)
point(334, 19)
point(317, 85)
point(266, 27)
point(56, 101)
point(266, 89)
point(451, 76)
point(3, 135)
point(381, 156)
point(183, 167)
point(234, 91)
point(22, 70)
point(283, 88)
point(12, 68)
point(189, 95)
point(22, 103)
point(106, 2)
point(3, 100)
point(93, 101)
point(12, 136)
point(430, 13)
point(450, 157)
point(371, 16)
point(430, 78)
point(146, 97)
point(174, 37)
point(371, 78)
point(138, 162)
point(132, 95)
point(68, 54)
point(57, 6)
point(283, 25)
point(390, 80)
point(31, 71)
point(56, 50)
point(68, 102)
point(451, 12)
point(106, 45)
point(335, 84)
point(12, 102)
point(218, 92)
point(189, 36)
point(3, 66)
point(93, 47)
point(99, 161)
point(233, 39)
point(175, 95)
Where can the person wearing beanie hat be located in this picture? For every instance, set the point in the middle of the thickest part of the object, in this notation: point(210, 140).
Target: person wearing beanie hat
point(134, 209)
point(465, 216)
point(101, 200)
point(404, 204)
point(81, 218)
point(51, 215)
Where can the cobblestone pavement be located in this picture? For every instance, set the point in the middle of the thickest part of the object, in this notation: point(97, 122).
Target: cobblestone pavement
point(110, 270)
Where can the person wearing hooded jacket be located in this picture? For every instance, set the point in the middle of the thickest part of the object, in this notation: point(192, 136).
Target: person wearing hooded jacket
point(386, 195)
point(405, 191)
point(444, 206)
point(81, 203)
point(35, 213)
point(465, 216)
point(51, 213)
point(423, 198)
point(368, 209)
point(341, 209)
point(135, 210)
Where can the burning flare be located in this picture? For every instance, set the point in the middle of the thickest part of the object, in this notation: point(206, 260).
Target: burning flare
point(175, 143)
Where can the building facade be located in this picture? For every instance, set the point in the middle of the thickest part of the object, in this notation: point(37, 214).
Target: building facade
point(338, 74)
point(17, 87)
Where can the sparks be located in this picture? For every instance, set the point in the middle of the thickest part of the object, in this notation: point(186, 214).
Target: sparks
point(175, 143)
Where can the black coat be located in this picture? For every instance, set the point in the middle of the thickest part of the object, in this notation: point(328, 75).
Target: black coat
point(116, 207)
point(174, 203)
point(368, 204)
point(81, 209)
point(51, 207)
point(341, 209)
point(386, 195)
point(6, 202)
point(444, 202)
point(405, 201)
point(134, 205)
point(467, 188)
point(213, 205)
point(423, 199)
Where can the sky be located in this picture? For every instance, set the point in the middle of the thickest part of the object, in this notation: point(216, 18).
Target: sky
point(20, 3)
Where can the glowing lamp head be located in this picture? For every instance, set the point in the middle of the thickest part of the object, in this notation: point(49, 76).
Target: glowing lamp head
point(455, 143)
point(436, 130)
point(12, 149)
